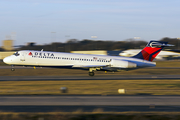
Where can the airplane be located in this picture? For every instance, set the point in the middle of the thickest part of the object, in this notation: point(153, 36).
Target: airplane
point(87, 62)
point(161, 56)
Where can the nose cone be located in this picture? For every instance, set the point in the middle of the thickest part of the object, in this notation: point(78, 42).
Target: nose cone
point(7, 60)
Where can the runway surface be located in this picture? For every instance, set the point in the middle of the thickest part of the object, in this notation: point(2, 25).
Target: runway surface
point(89, 103)
point(96, 109)
point(98, 77)
point(90, 100)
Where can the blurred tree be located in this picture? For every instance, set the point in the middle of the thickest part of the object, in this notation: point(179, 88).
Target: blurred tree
point(72, 41)
point(76, 45)
point(1, 49)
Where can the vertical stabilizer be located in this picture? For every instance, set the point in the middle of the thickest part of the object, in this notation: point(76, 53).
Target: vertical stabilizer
point(151, 50)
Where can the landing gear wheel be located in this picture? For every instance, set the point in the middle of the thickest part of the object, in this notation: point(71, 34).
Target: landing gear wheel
point(91, 73)
point(12, 69)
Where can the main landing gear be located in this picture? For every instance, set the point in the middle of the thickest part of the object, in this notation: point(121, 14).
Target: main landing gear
point(91, 71)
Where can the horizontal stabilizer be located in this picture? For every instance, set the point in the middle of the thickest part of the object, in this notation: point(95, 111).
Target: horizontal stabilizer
point(158, 44)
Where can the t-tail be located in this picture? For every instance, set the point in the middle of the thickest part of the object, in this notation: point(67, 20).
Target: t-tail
point(151, 50)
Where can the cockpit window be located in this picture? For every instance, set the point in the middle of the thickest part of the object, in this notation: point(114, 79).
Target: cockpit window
point(16, 54)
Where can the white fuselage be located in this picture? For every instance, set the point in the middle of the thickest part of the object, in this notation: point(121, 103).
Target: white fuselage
point(72, 60)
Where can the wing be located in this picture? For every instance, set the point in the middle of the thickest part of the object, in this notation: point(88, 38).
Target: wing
point(88, 66)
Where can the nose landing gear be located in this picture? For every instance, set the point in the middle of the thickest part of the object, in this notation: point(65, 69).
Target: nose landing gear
point(12, 68)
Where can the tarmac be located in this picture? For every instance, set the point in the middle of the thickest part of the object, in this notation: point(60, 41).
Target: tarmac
point(89, 103)
point(98, 77)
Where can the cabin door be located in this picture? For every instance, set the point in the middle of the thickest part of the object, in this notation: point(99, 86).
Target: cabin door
point(22, 57)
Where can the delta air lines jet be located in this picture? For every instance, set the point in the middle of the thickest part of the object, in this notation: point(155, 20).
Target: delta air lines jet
point(88, 62)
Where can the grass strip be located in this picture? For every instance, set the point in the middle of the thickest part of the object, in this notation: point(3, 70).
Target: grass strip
point(91, 116)
point(88, 87)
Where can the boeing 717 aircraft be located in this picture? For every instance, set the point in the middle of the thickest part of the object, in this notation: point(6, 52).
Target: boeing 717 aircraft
point(88, 62)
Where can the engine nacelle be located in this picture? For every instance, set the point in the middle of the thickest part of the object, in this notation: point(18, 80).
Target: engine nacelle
point(122, 64)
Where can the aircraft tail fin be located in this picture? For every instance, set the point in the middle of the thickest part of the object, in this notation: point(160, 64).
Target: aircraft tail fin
point(151, 50)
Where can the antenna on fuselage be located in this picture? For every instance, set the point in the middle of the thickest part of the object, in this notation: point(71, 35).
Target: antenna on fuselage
point(42, 50)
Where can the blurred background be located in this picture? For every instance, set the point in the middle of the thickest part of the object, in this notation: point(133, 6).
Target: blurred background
point(127, 48)
point(115, 28)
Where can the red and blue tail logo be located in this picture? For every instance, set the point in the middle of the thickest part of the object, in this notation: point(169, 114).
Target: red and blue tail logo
point(151, 50)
